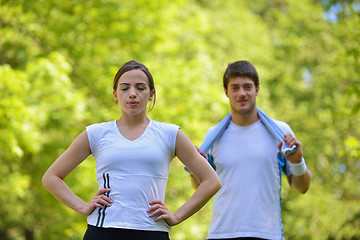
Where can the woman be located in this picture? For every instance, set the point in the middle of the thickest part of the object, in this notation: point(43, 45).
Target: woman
point(132, 157)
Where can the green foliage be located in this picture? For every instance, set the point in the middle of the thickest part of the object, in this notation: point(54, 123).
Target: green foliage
point(58, 59)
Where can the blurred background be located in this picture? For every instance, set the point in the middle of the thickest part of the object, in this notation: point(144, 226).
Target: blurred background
point(57, 64)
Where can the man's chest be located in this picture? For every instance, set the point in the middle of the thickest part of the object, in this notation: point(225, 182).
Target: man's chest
point(242, 149)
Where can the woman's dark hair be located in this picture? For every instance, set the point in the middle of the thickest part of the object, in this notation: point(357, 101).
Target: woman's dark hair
point(131, 65)
point(240, 69)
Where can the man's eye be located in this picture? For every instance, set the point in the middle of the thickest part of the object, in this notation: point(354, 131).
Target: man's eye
point(124, 89)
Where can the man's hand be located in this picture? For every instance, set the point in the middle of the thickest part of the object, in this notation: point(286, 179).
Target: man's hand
point(201, 152)
point(290, 140)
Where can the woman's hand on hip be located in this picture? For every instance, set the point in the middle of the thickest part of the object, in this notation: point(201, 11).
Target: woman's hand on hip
point(159, 210)
point(100, 200)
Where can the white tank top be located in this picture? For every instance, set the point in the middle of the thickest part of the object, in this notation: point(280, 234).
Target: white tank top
point(135, 171)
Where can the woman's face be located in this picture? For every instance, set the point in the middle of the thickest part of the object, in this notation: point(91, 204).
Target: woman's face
point(133, 92)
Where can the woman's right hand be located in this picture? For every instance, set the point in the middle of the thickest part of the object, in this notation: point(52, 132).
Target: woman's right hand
point(99, 200)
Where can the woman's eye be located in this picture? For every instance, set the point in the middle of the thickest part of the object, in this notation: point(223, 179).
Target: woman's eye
point(141, 87)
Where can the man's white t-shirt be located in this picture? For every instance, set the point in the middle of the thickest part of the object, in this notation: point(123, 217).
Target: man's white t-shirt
point(135, 171)
point(249, 202)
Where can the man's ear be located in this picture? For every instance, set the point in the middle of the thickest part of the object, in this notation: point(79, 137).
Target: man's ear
point(257, 90)
point(226, 92)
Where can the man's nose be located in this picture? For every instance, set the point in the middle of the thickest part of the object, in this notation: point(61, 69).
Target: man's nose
point(242, 91)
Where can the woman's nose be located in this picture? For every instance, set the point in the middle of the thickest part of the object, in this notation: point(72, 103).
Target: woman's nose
point(132, 93)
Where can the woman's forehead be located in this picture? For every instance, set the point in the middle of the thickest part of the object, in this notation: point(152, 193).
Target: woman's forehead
point(134, 76)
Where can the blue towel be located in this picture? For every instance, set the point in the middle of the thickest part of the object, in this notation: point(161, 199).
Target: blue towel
point(273, 128)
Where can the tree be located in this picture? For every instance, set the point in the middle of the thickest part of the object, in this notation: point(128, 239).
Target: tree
point(58, 59)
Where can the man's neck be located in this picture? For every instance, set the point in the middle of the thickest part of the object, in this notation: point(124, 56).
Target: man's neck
point(245, 119)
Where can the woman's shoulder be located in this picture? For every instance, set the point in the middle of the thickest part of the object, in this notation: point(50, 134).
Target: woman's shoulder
point(165, 133)
point(164, 125)
point(102, 124)
point(100, 127)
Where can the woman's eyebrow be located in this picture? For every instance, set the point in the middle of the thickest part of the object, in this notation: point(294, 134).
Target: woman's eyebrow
point(130, 84)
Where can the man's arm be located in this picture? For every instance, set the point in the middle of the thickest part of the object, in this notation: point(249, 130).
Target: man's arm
point(299, 182)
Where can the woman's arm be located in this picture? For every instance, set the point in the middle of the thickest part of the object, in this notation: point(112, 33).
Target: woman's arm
point(53, 179)
point(194, 182)
point(201, 169)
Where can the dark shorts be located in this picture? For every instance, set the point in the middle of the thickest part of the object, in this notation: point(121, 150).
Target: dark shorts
point(96, 233)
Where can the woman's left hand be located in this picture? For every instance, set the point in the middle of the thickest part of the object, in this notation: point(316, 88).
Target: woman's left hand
point(159, 210)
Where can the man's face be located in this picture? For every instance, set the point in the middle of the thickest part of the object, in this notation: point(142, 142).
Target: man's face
point(242, 94)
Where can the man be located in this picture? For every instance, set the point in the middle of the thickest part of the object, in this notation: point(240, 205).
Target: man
point(247, 160)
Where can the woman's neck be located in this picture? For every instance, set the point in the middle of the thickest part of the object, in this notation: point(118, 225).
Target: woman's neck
point(132, 127)
point(133, 121)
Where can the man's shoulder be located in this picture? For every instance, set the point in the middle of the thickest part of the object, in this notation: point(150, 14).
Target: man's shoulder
point(210, 130)
point(283, 126)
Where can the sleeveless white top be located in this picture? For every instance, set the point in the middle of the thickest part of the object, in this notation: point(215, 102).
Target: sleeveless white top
point(135, 171)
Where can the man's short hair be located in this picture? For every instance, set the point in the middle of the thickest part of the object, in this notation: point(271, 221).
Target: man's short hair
point(240, 69)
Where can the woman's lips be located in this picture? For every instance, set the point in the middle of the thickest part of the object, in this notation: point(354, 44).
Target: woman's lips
point(133, 104)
